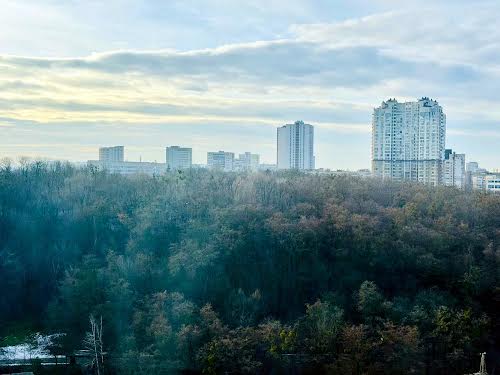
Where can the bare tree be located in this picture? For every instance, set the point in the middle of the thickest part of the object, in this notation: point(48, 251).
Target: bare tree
point(93, 343)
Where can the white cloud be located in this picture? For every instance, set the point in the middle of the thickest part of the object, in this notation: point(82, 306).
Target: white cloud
point(430, 33)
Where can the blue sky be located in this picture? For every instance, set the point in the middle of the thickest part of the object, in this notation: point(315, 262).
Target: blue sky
point(220, 74)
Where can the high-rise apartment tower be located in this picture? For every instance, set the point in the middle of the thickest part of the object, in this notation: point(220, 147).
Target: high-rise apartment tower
point(296, 146)
point(408, 141)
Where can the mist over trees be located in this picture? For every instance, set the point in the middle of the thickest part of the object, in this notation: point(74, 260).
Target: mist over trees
point(251, 273)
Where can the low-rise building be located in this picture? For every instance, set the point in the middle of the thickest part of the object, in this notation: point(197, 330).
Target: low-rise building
point(130, 167)
point(486, 181)
point(492, 183)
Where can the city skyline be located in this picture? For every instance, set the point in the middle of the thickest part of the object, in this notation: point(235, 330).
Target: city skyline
point(222, 76)
point(115, 153)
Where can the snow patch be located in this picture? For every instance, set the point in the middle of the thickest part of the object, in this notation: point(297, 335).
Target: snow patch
point(37, 347)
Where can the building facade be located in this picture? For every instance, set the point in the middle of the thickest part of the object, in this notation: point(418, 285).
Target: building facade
point(492, 183)
point(408, 141)
point(220, 160)
point(454, 169)
point(247, 162)
point(178, 157)
point(129, 167)
point(295, 143)
point(475, 176)
point(486, 181)
point(478, 181)
point(111, 154)
point(472, 167)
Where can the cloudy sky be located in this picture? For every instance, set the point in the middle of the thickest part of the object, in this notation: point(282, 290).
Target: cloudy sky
point(223, 74)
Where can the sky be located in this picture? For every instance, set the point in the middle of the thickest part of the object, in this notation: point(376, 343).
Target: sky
point(224, 74)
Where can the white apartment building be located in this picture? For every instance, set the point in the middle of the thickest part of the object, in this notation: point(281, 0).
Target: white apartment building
point(295, 144)
point(408, 141)
point(247, 161)
point(220, 160)
point(111, 154)
point(178, 157)
point(454, 169)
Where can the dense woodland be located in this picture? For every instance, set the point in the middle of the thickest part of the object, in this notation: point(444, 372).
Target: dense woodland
point(211, 272)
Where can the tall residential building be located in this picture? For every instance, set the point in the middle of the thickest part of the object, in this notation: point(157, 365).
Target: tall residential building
point(247, 161)
point(178, 157)
point(454, 169)
point(296, 146)
point(221, 160)
point(111, 154)
point(408, 141)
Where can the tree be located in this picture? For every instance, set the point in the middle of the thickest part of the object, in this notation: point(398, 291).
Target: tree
point(355, 352)
point(371, 303)
point(93, 343)
point(318, 332)
point(398, 351)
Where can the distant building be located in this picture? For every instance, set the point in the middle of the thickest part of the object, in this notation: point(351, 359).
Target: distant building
point(474, 176)
point(472, 167)
point(454, 169)
point(408, 141)
point(295, 143)
point(178, 157)
point(478, 181)
point(111, 154)
point(486, 181)
point(111, 159)
point(363, 173)
point(492, 183)
point(199, 166)
point(267, 167)
point(130, 167)
point(247, 161)
point(220, 160)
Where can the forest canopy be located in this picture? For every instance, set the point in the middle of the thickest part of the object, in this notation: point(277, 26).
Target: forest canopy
point(251, 272)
